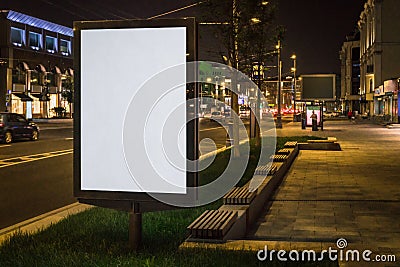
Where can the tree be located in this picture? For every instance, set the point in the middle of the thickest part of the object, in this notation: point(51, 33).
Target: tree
point(68, 92)
point(247, 26)
point(248, 32)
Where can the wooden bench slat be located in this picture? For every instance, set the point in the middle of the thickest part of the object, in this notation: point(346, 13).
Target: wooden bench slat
point(224, 228)
point(198, 220)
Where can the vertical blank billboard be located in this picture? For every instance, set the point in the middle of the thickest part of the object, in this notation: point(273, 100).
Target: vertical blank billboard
point(318, 87)
point(122, 109)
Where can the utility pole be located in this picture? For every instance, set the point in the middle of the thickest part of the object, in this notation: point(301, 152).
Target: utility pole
point(234, 96)
point(279, 116)
point(257, 109)
point(294, 89)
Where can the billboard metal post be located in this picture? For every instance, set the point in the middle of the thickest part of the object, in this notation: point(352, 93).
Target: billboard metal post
point(135, 227)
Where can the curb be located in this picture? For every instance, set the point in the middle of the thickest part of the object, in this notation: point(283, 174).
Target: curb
point(52, 120)
point(43, 221)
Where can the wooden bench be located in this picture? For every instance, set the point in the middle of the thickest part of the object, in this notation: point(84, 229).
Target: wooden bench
point(266, 169)
point(290, 144)
point(279, 158)
point(321, 141)
point(239, 196)
point(212, 224)
point(284, 151)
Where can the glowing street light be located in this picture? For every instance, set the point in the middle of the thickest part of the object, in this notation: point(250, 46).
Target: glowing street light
point(255, 20)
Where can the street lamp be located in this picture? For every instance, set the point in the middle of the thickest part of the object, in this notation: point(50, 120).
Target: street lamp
point(279, 117)
point(294, 92)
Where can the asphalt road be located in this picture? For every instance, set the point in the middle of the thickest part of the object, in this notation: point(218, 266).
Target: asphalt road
point(36, 177)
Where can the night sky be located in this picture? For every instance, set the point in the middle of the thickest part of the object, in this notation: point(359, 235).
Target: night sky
point(316, 29)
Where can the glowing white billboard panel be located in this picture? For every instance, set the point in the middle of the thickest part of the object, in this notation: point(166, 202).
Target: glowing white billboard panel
point(115, 63)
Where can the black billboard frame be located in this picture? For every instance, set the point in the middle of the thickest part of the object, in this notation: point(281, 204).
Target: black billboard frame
point(319, 98)
point(132, 201)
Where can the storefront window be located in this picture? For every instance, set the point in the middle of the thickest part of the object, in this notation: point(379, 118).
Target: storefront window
point(51, 79)
point(18, 76)
point(34, 77)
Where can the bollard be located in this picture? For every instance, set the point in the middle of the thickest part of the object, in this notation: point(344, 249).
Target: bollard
point(303, 123)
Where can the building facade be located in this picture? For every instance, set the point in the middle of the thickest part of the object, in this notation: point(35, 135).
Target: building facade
point(380, 58)
point(350, 74)
point(36, 75)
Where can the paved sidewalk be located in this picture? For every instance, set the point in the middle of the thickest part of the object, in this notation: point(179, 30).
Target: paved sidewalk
point(352, 194)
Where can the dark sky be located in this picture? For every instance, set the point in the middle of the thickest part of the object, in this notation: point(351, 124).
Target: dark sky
point(316, 29)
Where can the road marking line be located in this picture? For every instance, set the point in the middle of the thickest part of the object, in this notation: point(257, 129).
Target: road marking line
point(29, 158)
point(209, 129)
point(69, 138)
point(4, 146)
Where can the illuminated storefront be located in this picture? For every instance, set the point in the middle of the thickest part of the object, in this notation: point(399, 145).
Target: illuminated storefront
point(36, 58)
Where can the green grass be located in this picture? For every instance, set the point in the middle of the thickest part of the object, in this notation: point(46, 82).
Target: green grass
point(221, 160)
point(99, 237)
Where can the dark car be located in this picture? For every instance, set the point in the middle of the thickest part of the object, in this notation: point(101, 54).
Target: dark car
point(14, 126)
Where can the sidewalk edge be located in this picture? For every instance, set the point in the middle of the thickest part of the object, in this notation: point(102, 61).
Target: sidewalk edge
point(42, 221)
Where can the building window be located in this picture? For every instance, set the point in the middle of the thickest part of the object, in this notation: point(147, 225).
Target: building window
point(35, 40)
point(65, 47)
point(18, 76)
point(34, 78)
point(17, 36)
point(355, 54)
point(51, 44)
point(51, 79)
point(370, 68)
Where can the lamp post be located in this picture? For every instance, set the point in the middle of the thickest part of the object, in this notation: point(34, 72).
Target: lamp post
point(279, 117)
point(294, 89)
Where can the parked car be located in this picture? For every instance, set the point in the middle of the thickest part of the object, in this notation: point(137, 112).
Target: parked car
point(14, 126)
point(330, 114)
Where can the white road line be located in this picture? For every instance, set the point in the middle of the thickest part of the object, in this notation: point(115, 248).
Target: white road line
point(28, 158)
point(4, 146)
point(69, 138)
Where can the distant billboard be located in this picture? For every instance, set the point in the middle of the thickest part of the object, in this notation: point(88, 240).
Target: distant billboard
point(318, 87)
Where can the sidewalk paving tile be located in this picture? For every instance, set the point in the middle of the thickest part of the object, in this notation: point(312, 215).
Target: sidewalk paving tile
point(352, 194)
